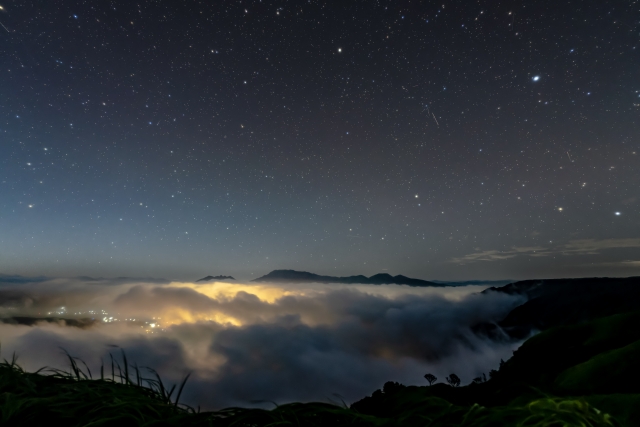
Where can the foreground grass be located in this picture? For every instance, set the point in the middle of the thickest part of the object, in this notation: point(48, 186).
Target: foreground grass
point(55, 397)
point(123, 397)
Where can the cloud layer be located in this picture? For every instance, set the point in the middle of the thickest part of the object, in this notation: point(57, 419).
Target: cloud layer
point(244, 343)
point(573, 247)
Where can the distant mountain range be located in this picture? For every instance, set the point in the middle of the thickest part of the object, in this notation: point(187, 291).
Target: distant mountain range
point(292, 276)
point(209, 278)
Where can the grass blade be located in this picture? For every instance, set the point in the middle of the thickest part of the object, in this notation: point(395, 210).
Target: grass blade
point(184, 381)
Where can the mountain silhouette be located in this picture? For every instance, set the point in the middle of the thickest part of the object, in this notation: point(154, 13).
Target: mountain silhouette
point(293, 276)
point(208, 278)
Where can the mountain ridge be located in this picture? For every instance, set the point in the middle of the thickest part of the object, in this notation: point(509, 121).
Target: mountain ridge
point(293, 276)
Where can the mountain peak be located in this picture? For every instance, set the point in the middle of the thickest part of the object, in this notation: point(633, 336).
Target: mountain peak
point(209, 278)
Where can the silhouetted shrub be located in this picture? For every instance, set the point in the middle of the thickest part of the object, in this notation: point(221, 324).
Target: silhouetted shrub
point(453, 380)
point(390, 387)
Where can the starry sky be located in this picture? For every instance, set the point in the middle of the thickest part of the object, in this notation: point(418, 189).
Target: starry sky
point(440, 140)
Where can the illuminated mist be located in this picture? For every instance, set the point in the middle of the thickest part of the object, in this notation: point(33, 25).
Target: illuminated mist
point(245, 343)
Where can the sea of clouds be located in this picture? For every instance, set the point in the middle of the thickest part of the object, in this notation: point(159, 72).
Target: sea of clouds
point(250, 343)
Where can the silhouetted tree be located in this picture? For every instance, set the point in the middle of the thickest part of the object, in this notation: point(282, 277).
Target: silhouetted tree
point(431, 378)
point(484, 377)
point(453, 380)
point(477, 380)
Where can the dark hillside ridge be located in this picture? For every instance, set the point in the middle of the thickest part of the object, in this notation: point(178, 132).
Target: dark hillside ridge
point(493, 283)
point(553, 302)
point(595, 357)
point(292, 276)
point(596, 360)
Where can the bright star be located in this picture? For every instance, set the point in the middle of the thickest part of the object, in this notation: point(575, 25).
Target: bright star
point(339, 49)
point(618, 214)
point(535, 78)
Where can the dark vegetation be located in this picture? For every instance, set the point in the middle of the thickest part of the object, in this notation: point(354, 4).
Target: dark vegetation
point(581, 370)
point(588, 365)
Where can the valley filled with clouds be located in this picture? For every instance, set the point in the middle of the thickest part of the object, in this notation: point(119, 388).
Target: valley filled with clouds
point(246, 344)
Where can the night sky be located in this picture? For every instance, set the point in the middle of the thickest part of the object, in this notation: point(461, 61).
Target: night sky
point(439, 140)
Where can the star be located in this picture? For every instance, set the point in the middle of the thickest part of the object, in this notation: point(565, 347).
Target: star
point(339, 49)
point(535, 78)
point(618, 214)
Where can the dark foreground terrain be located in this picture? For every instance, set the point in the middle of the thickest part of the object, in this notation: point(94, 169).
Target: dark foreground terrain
point(581, 370)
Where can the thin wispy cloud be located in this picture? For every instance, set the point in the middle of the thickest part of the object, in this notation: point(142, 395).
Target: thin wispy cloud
point(621, 264)
point(593, 246)
point(573, 247)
